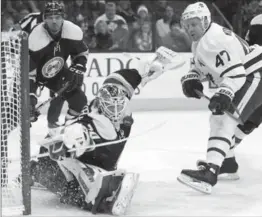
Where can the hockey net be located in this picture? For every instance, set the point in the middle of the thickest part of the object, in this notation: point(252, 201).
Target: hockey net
point(15, 146)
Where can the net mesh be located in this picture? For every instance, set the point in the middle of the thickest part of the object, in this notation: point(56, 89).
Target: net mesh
point(11, 187)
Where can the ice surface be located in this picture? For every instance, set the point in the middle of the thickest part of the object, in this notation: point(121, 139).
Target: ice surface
point(159, 156)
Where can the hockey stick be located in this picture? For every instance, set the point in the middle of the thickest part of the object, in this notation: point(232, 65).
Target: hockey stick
point(223, 16)
point(45, 143)
point(58, 93)
point(238, 120)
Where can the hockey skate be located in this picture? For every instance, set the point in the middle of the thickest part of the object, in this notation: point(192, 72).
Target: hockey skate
point(229, 170)
point(116, 193)
point(202, 179)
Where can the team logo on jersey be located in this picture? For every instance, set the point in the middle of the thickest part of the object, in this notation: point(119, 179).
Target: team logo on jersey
point(52, 67)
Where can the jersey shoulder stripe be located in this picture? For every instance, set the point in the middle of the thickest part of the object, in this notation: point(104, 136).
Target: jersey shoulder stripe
point(39, 32)
point(71, 31)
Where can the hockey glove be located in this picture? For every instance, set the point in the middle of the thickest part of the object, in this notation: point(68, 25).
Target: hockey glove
point(221, 101)
point(75, 76)
point(57, 151)
point(33, 112)
point(190, 83)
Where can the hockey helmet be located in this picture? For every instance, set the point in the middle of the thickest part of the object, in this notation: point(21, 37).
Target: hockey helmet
point(199, 10)
point(112, 101)
point(54, 8)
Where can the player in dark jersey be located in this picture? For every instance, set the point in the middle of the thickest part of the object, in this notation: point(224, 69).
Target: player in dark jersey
point(88, 177)
point(50, 44)
point(254, 32)
point(27, 24)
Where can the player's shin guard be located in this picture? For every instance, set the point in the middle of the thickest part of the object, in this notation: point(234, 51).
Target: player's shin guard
point(202, 179)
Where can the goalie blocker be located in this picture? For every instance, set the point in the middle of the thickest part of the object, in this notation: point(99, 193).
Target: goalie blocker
point(88, 177)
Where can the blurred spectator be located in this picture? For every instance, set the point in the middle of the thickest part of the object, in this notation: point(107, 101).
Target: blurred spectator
point(177, 39)
point(111, 18)
point(22, 13)
point(14, 8)
point(78, 11)
point(103, 38)
point(95, 9)
point(120, 38)
point(33, 6)
point(124, 9)
point(142, 16)
point(88, 36)
point(159, 8)
point(7, 23)
point(143, 38)
point(163, 25)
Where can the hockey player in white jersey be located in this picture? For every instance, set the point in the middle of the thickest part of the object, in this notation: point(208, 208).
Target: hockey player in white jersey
point(88, 177)
point(228, 62)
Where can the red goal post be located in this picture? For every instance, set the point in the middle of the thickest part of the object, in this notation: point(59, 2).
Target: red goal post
point(15, 124)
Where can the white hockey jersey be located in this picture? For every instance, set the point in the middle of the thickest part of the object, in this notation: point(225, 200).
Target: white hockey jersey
point(224, 59)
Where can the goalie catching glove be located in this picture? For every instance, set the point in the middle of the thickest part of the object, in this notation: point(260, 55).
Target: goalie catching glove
point(190, 83)
point(221, 101)
point(163, 60)
point(75, 75)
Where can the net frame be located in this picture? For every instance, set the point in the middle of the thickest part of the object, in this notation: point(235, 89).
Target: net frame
point(21, 88)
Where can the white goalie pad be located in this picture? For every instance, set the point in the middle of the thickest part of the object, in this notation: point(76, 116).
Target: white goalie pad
point(125, 195)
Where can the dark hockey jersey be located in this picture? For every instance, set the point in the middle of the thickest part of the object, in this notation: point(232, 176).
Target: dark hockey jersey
point(48, 56)
point(105, 157)
point(254, 34)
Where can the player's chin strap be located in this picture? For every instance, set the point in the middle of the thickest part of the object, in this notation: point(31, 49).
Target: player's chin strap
point(49, 141)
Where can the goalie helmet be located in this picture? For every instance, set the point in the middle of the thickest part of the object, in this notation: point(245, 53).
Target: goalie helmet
point(77, 136)
point(199, 10)
point(112, 101)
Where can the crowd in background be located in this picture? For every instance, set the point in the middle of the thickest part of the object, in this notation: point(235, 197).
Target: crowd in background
point(134, 25)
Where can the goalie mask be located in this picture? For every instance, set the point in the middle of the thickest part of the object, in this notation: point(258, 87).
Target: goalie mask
point(112, 102)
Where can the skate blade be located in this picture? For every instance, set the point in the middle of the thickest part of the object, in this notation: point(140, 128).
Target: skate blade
point(126, 193)
point(203, 187)
point(228, 177)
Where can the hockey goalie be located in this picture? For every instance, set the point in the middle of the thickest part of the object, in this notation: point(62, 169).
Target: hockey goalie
point(86, 176)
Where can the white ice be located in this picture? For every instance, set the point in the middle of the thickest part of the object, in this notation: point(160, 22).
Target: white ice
point(159, 156)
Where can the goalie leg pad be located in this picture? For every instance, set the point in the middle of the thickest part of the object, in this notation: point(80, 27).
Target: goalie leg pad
point(125, 194)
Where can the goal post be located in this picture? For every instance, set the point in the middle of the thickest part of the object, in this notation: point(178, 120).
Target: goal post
point(15, 124)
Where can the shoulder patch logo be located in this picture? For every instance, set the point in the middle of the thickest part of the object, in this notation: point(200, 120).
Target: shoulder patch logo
point(53, 67)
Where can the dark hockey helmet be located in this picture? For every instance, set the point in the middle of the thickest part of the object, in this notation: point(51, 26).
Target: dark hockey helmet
point(112, 101)
point(54, 8)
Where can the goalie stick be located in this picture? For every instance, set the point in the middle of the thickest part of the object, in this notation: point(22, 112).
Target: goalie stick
point(45, 143)
point(238, 120)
